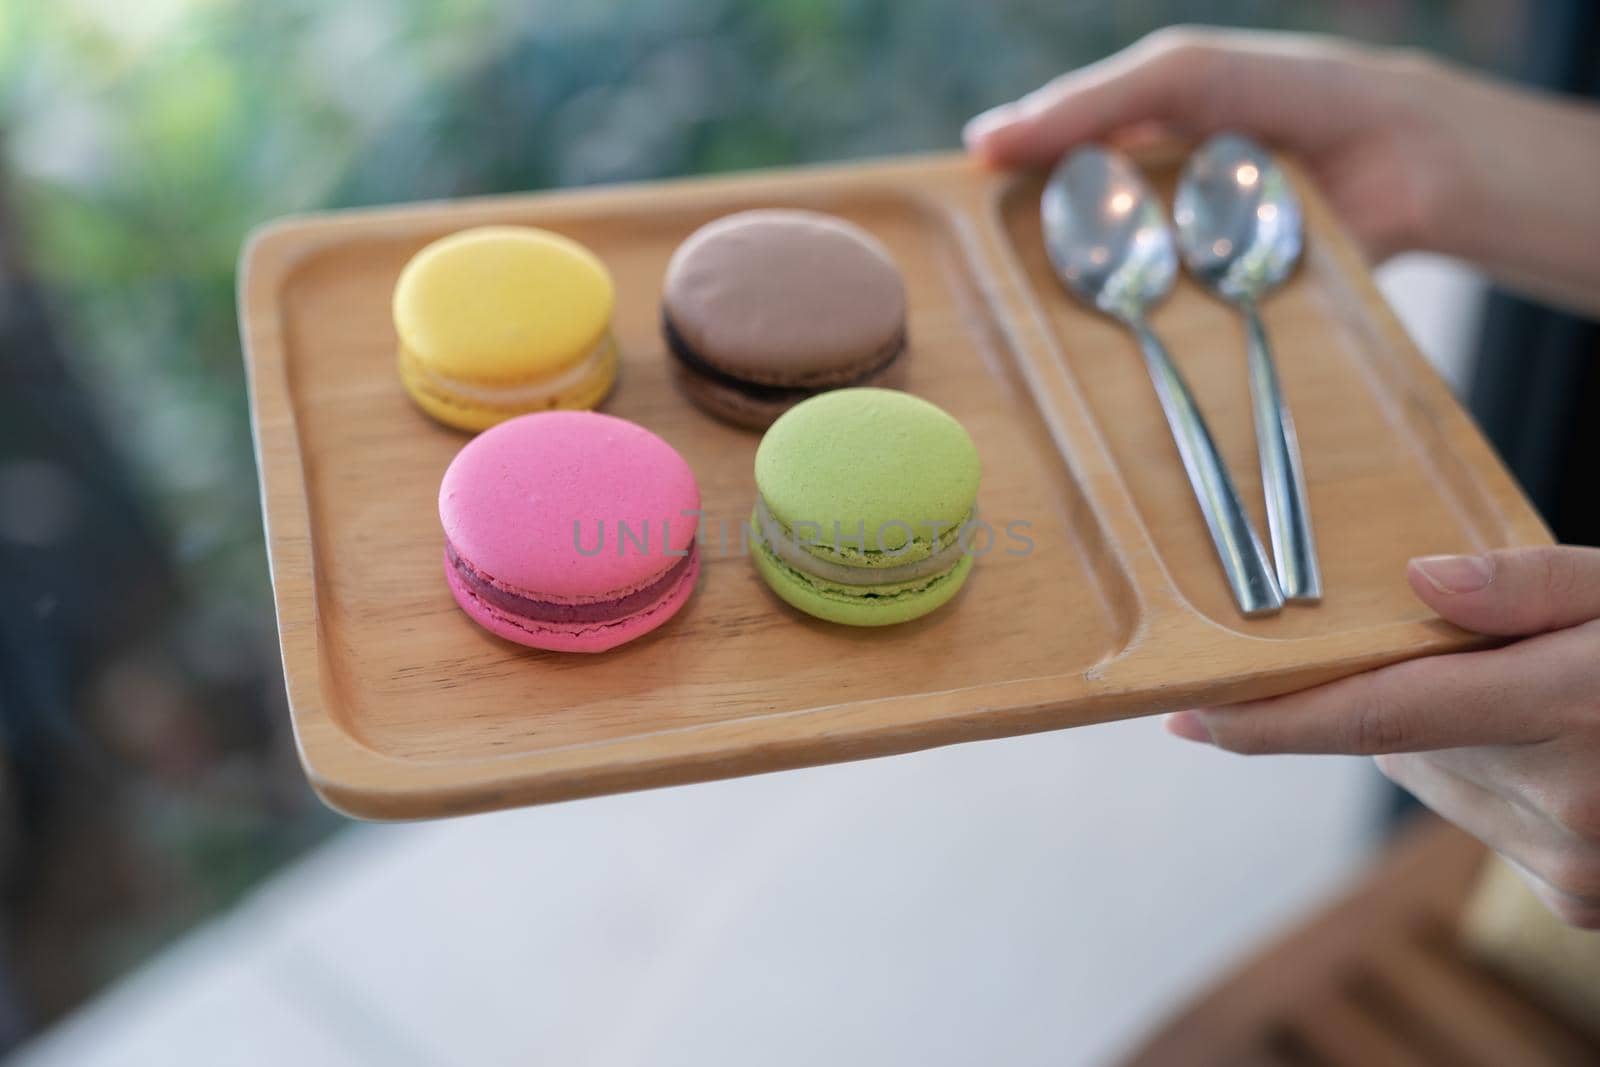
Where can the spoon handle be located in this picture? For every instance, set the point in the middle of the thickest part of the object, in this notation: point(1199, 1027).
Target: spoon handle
point(1283, 477)
point(1244, 561)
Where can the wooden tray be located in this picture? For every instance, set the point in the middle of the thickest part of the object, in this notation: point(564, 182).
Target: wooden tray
point(402, 708)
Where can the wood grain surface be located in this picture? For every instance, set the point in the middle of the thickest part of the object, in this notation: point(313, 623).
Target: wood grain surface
point(1379, 979)
point(404, 709)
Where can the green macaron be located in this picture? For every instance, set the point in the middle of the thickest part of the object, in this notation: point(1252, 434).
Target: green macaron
point(865, 503)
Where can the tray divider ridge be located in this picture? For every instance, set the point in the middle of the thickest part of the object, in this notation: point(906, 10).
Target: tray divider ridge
point(1067, 413)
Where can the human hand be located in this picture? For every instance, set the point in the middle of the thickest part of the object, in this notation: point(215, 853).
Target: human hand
point(1505, 743)
point(1411, 153)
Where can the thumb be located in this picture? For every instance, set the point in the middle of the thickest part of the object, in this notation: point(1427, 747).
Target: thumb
point(1512, 592)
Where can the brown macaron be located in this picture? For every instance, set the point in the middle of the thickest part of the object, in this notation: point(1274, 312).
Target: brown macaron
point(765, 308)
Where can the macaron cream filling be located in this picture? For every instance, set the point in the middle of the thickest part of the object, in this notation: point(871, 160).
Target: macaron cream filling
point(772, 390)
point(521, 394)
point(862, 595)
point(621, 605)
point(798, 554)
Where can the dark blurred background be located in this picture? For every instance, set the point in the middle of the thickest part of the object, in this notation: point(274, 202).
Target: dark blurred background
point(147, 777)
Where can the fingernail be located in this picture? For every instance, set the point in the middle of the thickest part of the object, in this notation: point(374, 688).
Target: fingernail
point(1189, 726)
point(1457, 574)
point(980, 126)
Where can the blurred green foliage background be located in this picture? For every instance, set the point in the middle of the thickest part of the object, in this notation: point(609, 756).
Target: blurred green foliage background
point(142, 140)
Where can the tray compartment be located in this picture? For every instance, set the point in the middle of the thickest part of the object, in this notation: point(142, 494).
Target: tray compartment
point(397, 647)
point(1357, 421)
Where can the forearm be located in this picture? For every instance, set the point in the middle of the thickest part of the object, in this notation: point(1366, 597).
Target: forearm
point(1524, 197)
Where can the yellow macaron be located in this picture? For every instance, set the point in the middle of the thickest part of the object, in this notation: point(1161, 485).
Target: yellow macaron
point(499, 321)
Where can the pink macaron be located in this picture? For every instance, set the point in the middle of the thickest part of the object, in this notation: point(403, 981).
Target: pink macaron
point(570, 530)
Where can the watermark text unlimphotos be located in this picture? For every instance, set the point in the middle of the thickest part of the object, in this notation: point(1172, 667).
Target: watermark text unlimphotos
point(721, 536)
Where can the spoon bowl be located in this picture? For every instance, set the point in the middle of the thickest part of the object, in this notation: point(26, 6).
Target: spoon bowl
point(1106, 235)
point(1239, 221)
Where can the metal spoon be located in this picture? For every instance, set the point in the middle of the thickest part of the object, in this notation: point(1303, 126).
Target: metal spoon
point(1239, 228)
point(1108, 240)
